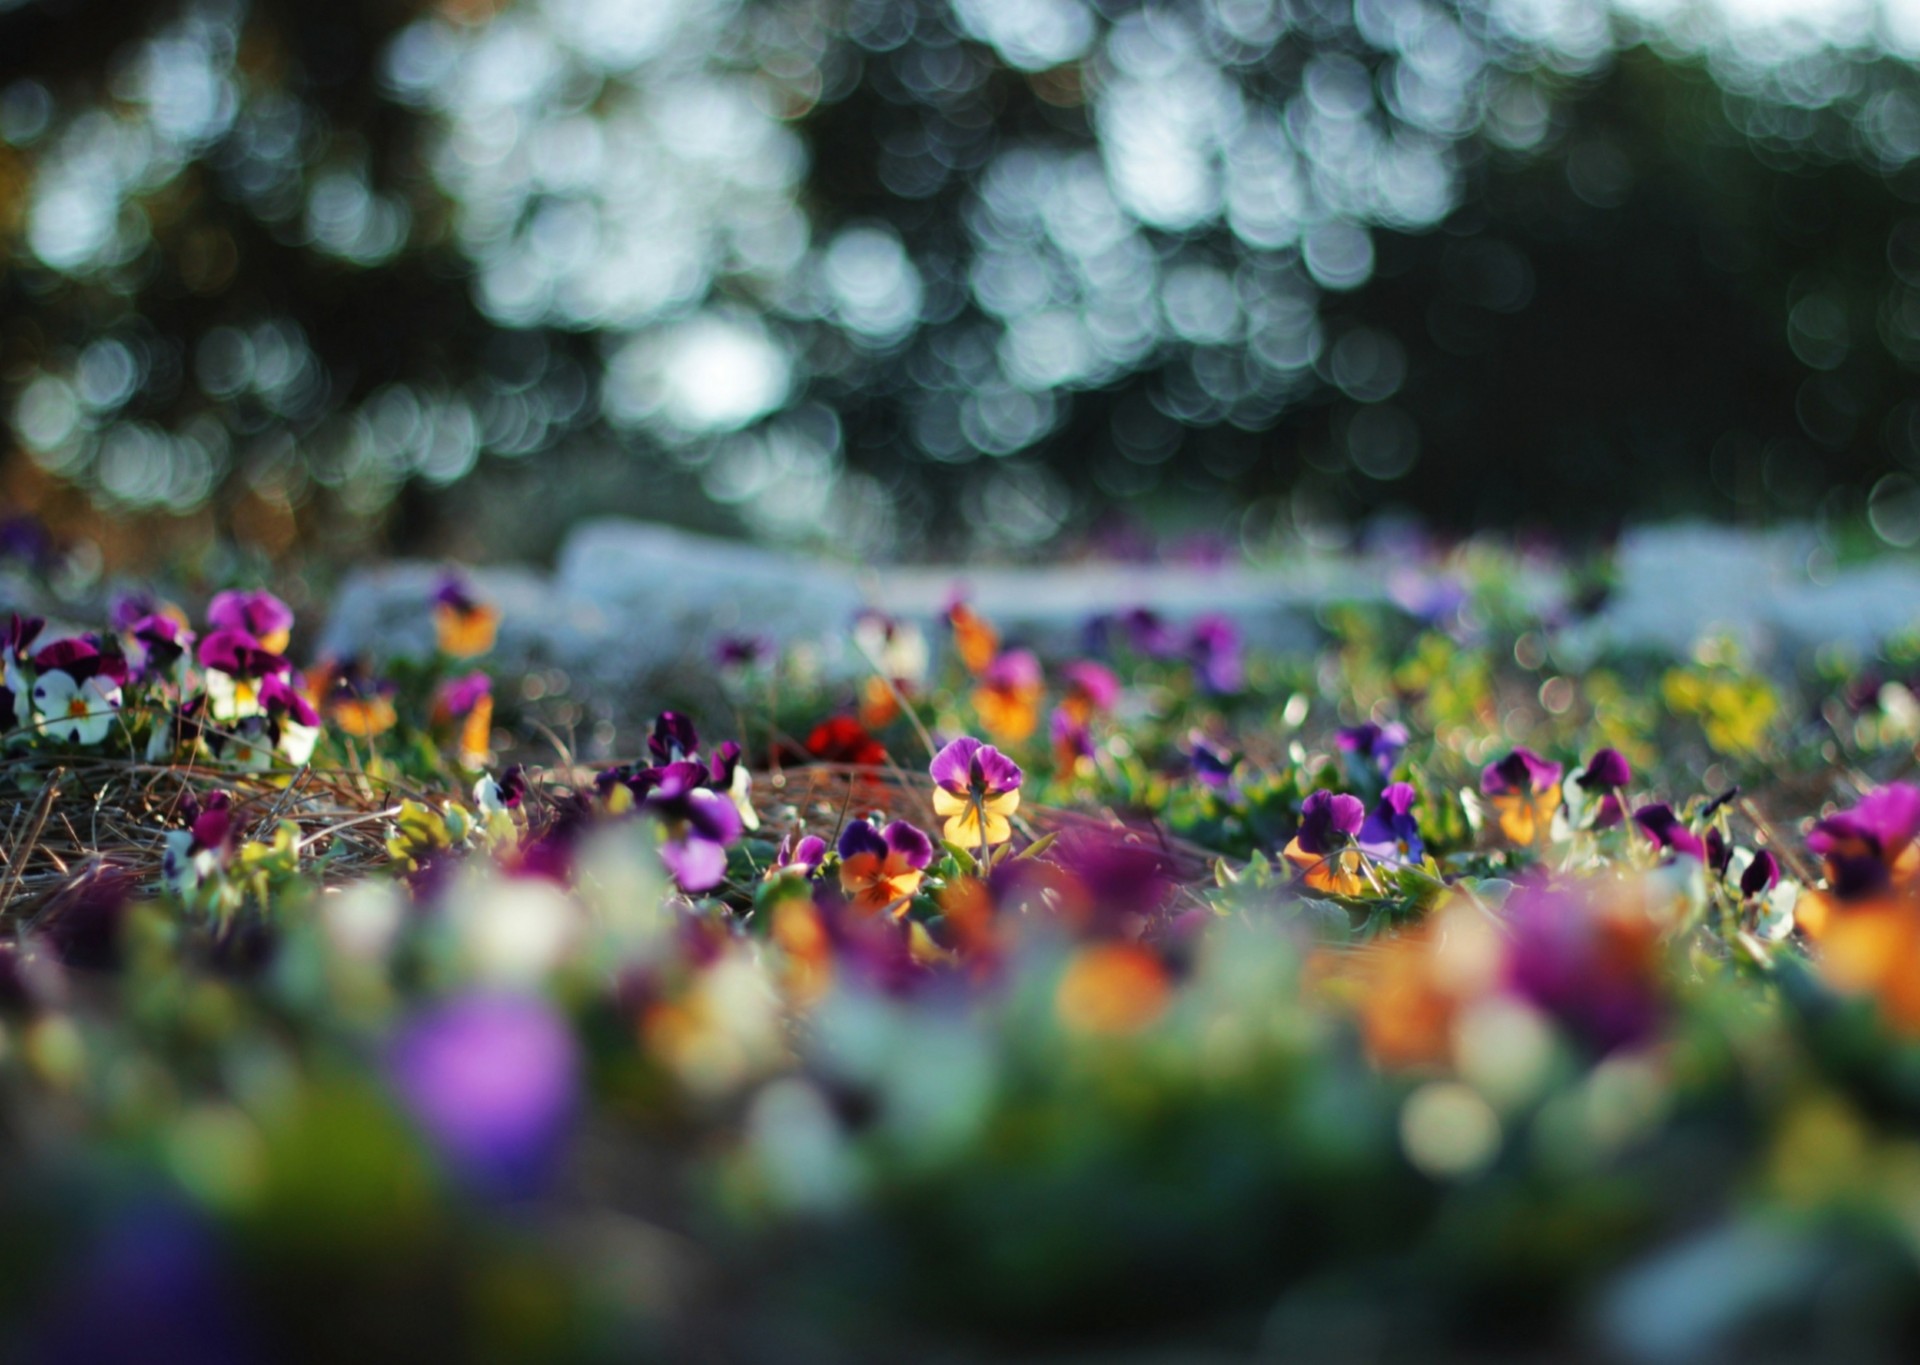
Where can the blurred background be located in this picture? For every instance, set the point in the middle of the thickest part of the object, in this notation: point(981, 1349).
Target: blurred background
point(929, 277)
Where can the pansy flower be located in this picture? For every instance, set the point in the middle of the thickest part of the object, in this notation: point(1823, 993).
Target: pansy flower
point(357, 701)
point(1606, 775)
point(1213, 763)
point(1872, 846)
point(1072, 740)
point(1669, 832)
point(897, 651)
point(700, 824)
point(464, 625)
point(493, 1081)
point(1762, 874)
point(204, 846)
point(1009, 695)
point(674, 740)
point(1323, 847)
point(156, 643)
point(975, 639)
point(802, 854)
point(1525, 791)
point(82, 657)
point(1091, 690)
point(76, 712)
point(728, 774)
point(881, 869)
point(465, 705)
point(976, 788)
point(1213, 644)
point(1377, 747)
point(1391, 832)
point(1147, 633)
point(1591, 963)
point(290, 719)
point(234, 663)
point(503, 794)
point(258, 614)
point(843, 739)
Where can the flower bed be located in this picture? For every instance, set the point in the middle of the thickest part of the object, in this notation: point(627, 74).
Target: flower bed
point(1418, 999)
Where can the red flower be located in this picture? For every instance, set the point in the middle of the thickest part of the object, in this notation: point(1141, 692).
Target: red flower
point(842, 739)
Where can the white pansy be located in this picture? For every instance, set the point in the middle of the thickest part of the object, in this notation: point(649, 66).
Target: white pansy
point(231, 698)
point(80, 713)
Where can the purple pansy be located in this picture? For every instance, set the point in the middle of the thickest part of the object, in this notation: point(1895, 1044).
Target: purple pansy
point(239, 654)
point(1072, 740)
point(493, 1080)
point(1213, 763)
point(1592, 970)
point(1762, 874)
point(461, 695)
point(1092, 684)
point(81, 657)
point(1328, 822)
point(1520, 773)
point(900, 837)
point(1391, 831)
point(1213, 643)
point(1669, 831)
point(1607, 774)
point(1378, 746)
point(156, 643)
point(673, 739)
point(256, 613)
point(1861, 845)
point(803, 855)
point(700, 824)
point(21, 632)
point(976, 789)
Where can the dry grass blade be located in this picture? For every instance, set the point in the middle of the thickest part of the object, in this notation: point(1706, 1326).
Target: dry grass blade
point(68, 818)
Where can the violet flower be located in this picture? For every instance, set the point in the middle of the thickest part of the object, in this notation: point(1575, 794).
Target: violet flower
point(259, 614)
point(1213, 643)
point(1391, 832)
point(1607, 774)
point(1072, 740)
point(1378, 746)
point(1862, 845)
point(976, 788)
point(882, 869)
point(700, 824)
point(1762, 874)
point(493, 1080)
point(1320, 848)
point(156, 644)
point(1525, 791)
point(802, 855)
point(1669, 832)
point(1213, 764)
point(673, 739)
point(1592, 968)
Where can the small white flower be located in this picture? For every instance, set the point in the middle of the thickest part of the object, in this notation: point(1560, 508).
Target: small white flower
point(297, 741)
point(16, 683)
point(487, 796)
point(231, 698)
point(251, 746)
point(80, 713)
point(742, 794)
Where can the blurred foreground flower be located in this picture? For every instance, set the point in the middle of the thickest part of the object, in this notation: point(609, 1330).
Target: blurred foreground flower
point(493, 1081)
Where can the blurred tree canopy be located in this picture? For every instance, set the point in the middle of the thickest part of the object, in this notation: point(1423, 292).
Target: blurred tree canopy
point(906, 273)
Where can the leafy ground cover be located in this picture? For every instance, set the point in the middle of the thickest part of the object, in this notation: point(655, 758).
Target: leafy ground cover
point(1421, 999)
